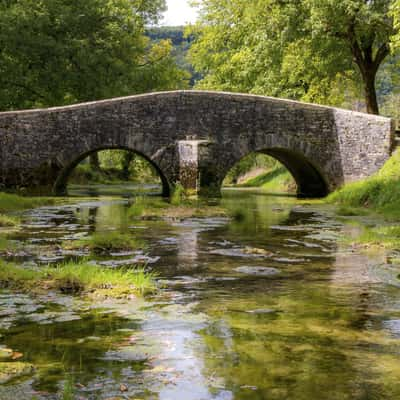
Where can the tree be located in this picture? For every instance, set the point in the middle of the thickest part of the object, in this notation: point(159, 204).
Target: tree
point(301, 49)
point(395, 12)
point(56, 52)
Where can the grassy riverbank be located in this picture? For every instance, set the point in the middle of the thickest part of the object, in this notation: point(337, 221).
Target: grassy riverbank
point(275, 180)
point(12, 202)
point(379, 193)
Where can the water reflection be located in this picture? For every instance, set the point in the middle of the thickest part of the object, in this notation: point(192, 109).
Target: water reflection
point(325, 322)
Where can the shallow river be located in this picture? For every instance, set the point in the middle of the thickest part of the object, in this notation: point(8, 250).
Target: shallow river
point(306, 318)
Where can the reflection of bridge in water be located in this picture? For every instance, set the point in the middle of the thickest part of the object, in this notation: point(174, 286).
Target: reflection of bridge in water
point(195, 137)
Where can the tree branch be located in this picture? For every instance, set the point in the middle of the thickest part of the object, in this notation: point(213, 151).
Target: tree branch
point(381, 54)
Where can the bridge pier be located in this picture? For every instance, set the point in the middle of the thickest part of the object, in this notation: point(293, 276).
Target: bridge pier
point(196, 168)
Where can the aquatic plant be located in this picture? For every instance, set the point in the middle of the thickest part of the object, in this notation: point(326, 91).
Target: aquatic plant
point(75, 278)
point(83, 276)
point(104, 242)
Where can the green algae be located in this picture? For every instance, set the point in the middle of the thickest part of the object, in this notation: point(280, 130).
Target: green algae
point(14, 370)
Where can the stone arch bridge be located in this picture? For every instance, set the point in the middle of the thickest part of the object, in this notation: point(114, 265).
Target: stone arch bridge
point(195, 137)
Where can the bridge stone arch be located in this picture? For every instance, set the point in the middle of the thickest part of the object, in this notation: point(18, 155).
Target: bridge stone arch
point(195, 137)
point(63, 175)
point(310, 181)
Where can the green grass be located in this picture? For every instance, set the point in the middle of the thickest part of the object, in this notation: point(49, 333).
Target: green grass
point(13, 276)
point(147, 207)
point(104, 242)
point(75, 278)
point(6, 244)
point(383, 236)
point(177, 195)
point(82, 277)
point(8, 221)
point(346, 211)
point(277, 179)
point(379, 193)
point(12, 202)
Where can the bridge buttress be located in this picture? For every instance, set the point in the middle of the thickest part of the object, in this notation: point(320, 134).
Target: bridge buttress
point(196, 166)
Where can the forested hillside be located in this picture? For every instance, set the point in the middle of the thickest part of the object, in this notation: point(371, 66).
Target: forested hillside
point(181, 44)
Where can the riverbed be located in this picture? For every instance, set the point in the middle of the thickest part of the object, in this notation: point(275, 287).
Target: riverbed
point(269, 303)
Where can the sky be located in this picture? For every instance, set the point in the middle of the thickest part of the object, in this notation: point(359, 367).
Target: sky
point(179, 13)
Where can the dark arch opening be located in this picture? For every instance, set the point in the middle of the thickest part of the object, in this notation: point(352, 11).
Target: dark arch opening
point(60, 186)
point(309, 180)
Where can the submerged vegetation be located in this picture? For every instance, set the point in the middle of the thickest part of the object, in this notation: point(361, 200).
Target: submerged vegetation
point(75, 278)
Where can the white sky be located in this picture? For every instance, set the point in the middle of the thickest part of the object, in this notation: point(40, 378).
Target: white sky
point(179, 13)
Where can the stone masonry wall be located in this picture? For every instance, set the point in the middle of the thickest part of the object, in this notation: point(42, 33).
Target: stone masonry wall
point(323, 147)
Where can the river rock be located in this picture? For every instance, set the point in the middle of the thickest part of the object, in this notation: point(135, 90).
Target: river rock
point(261, 271)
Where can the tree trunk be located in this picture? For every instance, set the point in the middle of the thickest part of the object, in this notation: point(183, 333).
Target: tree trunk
point(129, 156)
point(94, 162)
point(370, 92)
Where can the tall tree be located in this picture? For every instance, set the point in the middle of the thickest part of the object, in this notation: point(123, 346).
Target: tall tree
point(56, 52)
point(313, 50)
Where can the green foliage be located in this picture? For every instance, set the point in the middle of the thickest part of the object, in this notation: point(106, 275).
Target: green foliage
point(380, 192)
point(115, 166)
point(395, 12)
point(53, 55)
point(181, 45)
point(312, 50)
point(13, 202)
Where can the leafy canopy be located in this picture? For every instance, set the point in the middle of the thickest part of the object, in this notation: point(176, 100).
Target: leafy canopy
point(324, 51)
point(55, 52)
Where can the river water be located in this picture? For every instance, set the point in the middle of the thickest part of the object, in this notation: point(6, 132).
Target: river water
point(304, 317)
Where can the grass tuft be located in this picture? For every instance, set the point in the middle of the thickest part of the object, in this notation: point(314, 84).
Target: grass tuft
point(104, 242)
point(80, 277)
point(75, 278)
